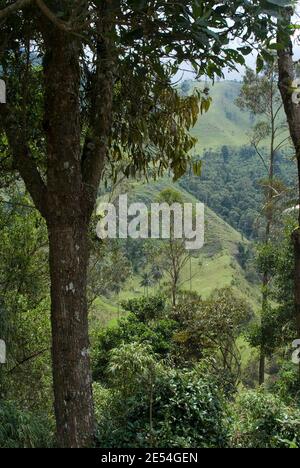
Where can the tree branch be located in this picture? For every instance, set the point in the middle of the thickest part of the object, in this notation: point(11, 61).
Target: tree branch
point(32, 178)
point(28, 358)
point(286, 78)
point(97, 142)
point(64, 26)
point(70, 26)
point(13, 8)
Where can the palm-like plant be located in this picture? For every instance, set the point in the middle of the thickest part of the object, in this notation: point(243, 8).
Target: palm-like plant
point(157, 274)
point(146, 282)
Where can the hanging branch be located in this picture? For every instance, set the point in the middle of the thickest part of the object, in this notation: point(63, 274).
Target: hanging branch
point(13, 8)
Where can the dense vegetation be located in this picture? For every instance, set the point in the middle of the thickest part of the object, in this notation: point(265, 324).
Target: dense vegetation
point(238, 174)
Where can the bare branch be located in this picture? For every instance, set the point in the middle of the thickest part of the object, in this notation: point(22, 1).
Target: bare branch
point(64, 26)
point(13, 8)
point(95, 149)
point(28, 358)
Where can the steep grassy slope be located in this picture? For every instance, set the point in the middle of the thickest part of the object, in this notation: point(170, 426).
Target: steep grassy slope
point(215, 266)
point(225, 123)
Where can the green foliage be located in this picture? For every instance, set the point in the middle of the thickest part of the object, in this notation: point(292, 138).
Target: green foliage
point(209, 329)
point(109, 268)
point(244, 255)
point(286, 385)
point(284, 275)
point(261, 420)
point(192, 332)
point(267, 258)
point(267, 334)
point(21, 429)
point(131, 366)
point(278, 325)
point(146, 309)
point(187, 413)
point(24, 303)
point(157, 334)
point(239, 198)
point(170, 196)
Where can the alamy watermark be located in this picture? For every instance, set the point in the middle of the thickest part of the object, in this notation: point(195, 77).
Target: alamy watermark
point(296, 93)
point(2, 352)
point(2, 92)
point(160, 221)
point(296, 353)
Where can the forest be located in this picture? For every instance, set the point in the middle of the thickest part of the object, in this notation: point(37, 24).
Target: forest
point(170, 324)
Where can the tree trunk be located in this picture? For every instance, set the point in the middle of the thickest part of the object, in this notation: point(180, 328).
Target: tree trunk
point(174, 294)
point(296, 242)
point(286, 77)
point(70, 344)
point(262, 359)
point(262, 366)
point(67, 218)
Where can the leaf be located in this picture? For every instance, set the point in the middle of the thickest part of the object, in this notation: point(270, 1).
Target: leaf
point(197, 168)
point(245, 50)
point(259, 64)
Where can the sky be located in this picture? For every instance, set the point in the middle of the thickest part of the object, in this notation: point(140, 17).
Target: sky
point(250, 59)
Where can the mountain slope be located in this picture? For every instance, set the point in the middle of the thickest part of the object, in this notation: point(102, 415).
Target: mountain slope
point(216, 265)
point(224, 123)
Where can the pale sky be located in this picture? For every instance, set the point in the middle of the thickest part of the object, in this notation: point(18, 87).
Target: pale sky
point(250, 59)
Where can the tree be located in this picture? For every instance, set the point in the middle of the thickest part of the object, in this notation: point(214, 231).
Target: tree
point(260, 96)
point(287, 70)
point(225, 154)
point(210, 328)
point(173, 255)
point(108, 269)
point(146, 282)
point(157, 274)
point(89, 83)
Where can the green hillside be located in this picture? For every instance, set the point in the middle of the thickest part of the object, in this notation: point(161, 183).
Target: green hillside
point(225, 123)
point(214, 267)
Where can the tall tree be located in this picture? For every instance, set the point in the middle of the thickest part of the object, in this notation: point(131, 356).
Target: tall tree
point(260, 96)
point(287, 75)
point(89, 83)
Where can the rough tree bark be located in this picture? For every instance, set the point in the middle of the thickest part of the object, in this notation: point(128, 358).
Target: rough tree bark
point(72, 184)
point(67, 222)
point(286, 77)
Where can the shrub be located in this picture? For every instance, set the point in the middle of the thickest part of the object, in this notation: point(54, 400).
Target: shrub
point(146, 308)
point(20, 429)
point(286, 385)
point(158, 335)
point(262, 420)
point(187, 411)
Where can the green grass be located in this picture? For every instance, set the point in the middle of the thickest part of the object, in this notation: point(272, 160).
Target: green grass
point(224, 123)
